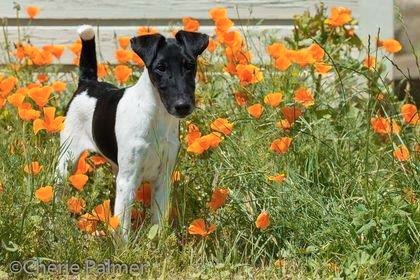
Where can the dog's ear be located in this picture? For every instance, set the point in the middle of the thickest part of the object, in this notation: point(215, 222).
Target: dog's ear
point(194, 42)
point(146, 46)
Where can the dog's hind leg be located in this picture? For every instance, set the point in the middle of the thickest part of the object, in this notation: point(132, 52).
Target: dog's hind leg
point(76, 136)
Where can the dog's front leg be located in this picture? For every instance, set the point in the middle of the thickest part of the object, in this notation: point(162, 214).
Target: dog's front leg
point(162, 186)
point(131, 164)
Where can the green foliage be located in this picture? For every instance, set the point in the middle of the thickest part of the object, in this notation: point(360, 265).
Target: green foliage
point(347, 209)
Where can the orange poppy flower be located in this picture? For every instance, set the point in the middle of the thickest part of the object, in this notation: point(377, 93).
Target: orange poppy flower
point(50, 123)
point(42, 77)
point(27, 113)
point(339, 16)
point(213, 44)
point(16, 99)
point(136, 59)
point(276, 50)
point(382, 125)
point(98, 160)
point(78, 181)
point(122, 73)
point(410, 114)
point(263, 220)
point(291, 113)
point(82, 166)
point(369, 62)
point(176, 176)
point(301, 57)
point(204, 143)
point(256, 110)
point(56, 50)
point(390, 45)
point(32, 11)
point(322, 68)
point(401, 153)
point(219, 35)
point(6, 86)
point(144, 194)
point(193, 133)
point(222, 125)
point(33, 168)
point(87, 223)
point(218, 13)
point(103, 70)
point(123, 56)
point(40, 95)
point(41, 57)
point(146, 30)
point(123, 41)
point(240, 98)
point(198, 227)
point(249, 74)
point(218, 198)
point(76, 47)
point(44, 194)
point(75, 205)
point(284, 124)
point(279, 178)
point(19, 53)
point(237, 55)
point(316, 51)
point(233, 39)
point(59, 86)
point(103, 213)
point(282, 63)
point(190, 24)
point(281, 145)
point(231, 68)
point(304, 97)
point(211, 140)
point(273, 99)
point(31, 86)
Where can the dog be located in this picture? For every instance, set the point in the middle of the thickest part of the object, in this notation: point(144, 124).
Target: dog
point(135, 128)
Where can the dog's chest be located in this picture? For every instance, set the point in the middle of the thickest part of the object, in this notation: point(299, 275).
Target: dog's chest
point(163, 147)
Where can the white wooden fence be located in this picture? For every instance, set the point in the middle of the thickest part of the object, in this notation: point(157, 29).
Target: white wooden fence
point(58, 19)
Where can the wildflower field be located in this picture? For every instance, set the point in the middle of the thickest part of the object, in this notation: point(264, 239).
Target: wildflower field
point(299, 161)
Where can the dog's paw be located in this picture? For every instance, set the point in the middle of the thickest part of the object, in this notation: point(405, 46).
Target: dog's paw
point(86, 32)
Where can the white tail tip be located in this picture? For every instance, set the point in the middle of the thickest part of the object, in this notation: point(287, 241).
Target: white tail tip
point(86, 32)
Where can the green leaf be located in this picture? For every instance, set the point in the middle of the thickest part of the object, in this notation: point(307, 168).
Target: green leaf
point(153, 232)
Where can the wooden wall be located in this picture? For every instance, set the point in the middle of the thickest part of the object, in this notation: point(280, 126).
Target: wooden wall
point(58, 19)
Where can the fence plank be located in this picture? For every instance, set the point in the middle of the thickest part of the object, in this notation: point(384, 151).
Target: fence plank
point(168, 9)
point(375, 14)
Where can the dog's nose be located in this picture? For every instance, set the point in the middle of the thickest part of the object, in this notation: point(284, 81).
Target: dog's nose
point(183, 108)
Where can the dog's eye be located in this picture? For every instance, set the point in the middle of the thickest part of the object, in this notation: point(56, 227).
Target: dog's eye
point(189, 66)
point(161, 67)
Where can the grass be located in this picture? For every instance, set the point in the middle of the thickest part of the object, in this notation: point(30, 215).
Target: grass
point(348, 208)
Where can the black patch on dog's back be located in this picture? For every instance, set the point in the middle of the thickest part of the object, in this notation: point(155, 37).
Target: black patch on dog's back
point(103, 123)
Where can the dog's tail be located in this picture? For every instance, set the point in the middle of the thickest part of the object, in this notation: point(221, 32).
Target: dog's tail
point(87, 64)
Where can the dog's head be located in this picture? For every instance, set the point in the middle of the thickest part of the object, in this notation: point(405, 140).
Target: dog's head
point(172, 66)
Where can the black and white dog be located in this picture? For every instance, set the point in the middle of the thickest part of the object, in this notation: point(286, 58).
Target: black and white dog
point(135, 128)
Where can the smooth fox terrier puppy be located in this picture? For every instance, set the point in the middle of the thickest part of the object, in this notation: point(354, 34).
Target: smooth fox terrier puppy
point(135, 128)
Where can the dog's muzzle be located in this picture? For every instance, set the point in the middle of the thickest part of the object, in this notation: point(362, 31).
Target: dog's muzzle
point(183, 109)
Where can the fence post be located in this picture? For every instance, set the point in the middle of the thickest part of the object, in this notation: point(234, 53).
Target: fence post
point(375, 14)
